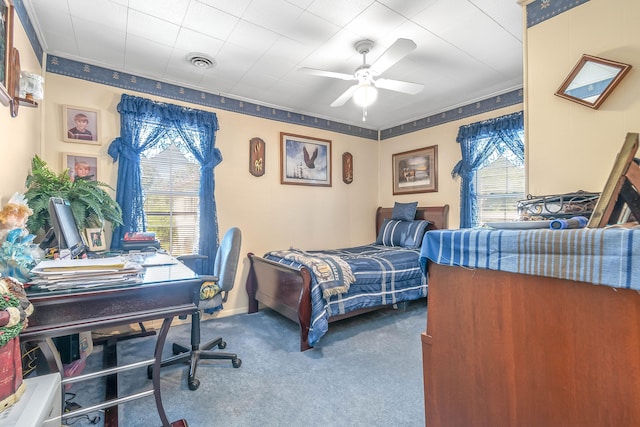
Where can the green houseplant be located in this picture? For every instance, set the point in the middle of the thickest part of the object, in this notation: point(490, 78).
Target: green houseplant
point(90, 203)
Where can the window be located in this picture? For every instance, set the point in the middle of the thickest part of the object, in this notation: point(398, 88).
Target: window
point(481, 145)
point(170, 183)
point(499, 186)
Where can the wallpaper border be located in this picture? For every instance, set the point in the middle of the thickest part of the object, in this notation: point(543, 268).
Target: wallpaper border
point(540, 10)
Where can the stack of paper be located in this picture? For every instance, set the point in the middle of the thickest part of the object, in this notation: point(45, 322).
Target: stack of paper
point(85, 273)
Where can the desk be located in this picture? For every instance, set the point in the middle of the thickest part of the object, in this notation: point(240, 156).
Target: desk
point(166, 292)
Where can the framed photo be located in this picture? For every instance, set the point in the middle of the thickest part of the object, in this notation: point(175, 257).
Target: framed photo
point(80, 125)
point(81, 166)
point(6, 45)
point(95, 239)
point(305, 160)
point(416, 171)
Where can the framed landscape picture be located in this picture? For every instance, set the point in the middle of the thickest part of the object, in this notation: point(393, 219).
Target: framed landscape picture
point(305, 160)
point(416, 171)
point(80, 125)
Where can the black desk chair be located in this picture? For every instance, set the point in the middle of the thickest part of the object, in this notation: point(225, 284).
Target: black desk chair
point(224, 273)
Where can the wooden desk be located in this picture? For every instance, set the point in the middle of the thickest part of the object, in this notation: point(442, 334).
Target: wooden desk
point(167, 291)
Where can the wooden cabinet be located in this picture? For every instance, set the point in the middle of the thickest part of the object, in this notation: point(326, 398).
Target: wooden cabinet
point(505, 349)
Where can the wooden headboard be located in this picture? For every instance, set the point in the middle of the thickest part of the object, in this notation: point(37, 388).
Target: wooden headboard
point(438, 215)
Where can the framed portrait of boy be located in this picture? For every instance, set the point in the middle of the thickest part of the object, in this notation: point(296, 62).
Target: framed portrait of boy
point(81, 166)
point(80, 125)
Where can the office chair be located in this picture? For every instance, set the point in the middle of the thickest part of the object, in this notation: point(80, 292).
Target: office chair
point(224, 273)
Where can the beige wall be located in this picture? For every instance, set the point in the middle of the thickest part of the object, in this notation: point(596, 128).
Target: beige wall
point(270, 215)
point(572, 147)
point(19, 136)
point(444, 136)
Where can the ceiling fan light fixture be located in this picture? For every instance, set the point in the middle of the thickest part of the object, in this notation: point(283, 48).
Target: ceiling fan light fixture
point(365, 95)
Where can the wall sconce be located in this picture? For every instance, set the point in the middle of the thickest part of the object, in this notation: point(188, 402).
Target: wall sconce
point(31, 86)
point(15, 85)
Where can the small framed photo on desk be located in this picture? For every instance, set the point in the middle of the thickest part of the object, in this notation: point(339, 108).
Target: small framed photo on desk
point(95, 239)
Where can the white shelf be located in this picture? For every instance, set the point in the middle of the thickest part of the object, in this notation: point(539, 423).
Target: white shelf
point(41, 401)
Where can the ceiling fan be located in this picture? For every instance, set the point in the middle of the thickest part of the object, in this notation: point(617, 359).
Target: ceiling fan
point(365, 91)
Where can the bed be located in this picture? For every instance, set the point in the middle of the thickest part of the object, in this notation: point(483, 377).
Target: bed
point(295, 284)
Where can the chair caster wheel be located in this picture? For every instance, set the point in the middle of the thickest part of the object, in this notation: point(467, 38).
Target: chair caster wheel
point(194, 384)
point(236, 362)
point(222, 345)
point(150, 372)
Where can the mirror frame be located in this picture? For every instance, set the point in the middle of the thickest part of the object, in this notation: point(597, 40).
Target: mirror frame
point(623, 69)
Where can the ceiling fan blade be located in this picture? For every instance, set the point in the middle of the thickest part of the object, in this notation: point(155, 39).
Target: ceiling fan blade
point(398, 50)
point(344, 97)
point(399, 86)
point(324, 73)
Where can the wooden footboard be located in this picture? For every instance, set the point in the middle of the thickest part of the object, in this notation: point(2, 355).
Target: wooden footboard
point(284, 289)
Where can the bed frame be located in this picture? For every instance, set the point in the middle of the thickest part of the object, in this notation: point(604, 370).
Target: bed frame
point(287, 290)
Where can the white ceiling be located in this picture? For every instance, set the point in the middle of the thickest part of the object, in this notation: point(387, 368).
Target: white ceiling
point(468, 50)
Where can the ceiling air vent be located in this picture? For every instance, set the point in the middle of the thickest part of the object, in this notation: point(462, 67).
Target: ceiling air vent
point(200, 60)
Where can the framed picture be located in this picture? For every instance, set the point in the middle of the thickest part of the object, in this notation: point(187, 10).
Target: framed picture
point(305, 160)
point(6, 45)
point(81, 166)
point(80, 125)
point(95, 239)
point(416, 171)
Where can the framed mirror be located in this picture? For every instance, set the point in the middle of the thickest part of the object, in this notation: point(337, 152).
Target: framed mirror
point(592, 80)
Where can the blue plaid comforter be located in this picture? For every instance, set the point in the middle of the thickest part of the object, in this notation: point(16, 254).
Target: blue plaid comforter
point(601, 256)
point(384, 275)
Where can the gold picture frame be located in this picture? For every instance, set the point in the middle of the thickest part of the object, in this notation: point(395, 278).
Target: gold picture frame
point(82, 165)
point(305, 160)
point(415, 171)
point(95, 239)
point(80, 125)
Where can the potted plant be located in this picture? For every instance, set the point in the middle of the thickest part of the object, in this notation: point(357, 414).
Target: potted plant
point(90, 203)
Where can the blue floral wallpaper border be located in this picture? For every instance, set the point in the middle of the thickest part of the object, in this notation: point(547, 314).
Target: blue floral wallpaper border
point(540, 10)
point(28, 28)
point(486, 105)
point(70, 68)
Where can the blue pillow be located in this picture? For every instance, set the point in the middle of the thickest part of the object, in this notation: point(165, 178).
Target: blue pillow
point(404, 211)
point(406, 234)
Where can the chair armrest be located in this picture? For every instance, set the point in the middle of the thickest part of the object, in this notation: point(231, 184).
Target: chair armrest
point(190, 260)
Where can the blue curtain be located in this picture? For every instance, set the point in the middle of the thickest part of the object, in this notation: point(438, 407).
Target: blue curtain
point(481, 144)
point(147, 127)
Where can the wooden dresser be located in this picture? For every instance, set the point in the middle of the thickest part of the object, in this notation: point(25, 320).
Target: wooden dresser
point(510, 349)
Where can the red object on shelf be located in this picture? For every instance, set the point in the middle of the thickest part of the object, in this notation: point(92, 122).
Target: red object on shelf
point(11, 386)
point(139, 236)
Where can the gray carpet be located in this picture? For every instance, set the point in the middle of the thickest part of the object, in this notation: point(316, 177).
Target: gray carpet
point(367, 371)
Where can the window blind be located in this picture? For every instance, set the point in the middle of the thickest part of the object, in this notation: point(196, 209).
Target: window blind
point(499, 186)
point(171, 185)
